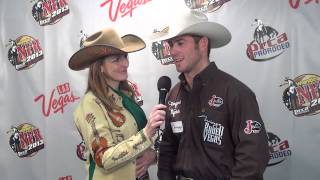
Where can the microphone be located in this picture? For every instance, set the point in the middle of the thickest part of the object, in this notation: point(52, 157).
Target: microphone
point(164, 85)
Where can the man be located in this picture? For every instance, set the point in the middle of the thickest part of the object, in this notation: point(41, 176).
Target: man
point(213, 129)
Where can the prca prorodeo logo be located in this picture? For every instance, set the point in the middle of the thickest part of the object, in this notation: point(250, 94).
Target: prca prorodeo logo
point(302, 96)
point(24, 52)
point(25, 140)
point(267, 42)
point(205, 6)
point(279, 149)
point(48, 12)
point(83, 36)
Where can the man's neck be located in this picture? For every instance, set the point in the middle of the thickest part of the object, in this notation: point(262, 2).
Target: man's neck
point(190, 75)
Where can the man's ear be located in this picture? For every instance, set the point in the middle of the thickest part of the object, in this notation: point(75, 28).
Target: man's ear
point(204, 42)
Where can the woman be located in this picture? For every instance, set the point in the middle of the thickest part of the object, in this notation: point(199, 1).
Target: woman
point(113, 127)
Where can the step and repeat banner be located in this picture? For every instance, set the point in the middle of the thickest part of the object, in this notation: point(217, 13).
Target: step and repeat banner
point(274, 50)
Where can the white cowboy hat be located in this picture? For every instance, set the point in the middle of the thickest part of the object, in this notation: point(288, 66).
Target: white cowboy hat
point(103, 43)
point(195, 23)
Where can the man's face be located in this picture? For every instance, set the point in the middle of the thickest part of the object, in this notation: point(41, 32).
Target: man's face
point(185, 53)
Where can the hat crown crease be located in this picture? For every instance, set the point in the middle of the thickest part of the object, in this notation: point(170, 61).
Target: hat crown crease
point(109, 37)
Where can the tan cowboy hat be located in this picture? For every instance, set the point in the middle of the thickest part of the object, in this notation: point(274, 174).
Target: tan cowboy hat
point(195, 23)
point(103, 43)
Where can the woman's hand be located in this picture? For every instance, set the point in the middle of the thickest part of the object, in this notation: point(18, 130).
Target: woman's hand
point(156, 118)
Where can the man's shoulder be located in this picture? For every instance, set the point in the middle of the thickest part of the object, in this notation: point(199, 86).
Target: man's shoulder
point(233, 83)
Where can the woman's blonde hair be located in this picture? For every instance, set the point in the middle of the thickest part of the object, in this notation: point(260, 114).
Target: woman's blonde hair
point(97, 84)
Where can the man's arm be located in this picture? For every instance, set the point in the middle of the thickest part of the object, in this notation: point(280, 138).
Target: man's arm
point(250, 137)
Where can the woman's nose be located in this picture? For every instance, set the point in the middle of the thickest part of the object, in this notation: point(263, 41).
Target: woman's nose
point(124, 61)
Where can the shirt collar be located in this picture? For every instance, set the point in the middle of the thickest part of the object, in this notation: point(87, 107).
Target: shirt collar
point(204, 76)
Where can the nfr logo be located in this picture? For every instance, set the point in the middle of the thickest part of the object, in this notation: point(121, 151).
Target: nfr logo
point(25, 140)
point(25, 51)
point(302, 96)
point(161, 50)
point(48, 12)
point(268, 43)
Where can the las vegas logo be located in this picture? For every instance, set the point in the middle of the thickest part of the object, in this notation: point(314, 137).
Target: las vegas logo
point(302, 95)
point(57, 101)
point(24, 52)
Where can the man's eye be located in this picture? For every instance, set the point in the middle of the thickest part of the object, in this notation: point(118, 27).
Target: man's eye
point(179, 43)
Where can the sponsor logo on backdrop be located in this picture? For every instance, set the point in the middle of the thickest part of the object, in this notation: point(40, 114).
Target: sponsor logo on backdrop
point(279, 149)
point(81, 147)
point(302, 95)
point(66, 178)
point(24, 52)
point(137, 94)
point(83, 36)
point(49, 12)
point(25, 140)
point(59, 98)
point(296, 3)
point(267, 44)
point(122, 8)
point(205, 6)
point(161, 50)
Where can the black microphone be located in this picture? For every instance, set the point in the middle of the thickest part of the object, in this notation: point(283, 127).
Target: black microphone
point(164, 85)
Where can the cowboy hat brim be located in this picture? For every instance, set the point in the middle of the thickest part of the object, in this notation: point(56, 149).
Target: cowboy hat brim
point(87, 55)
point(218, 34)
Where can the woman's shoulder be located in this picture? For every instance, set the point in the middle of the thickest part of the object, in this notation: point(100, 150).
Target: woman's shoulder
point(89, 97)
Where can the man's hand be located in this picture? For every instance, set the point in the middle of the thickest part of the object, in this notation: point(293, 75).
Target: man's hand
point(143, 162)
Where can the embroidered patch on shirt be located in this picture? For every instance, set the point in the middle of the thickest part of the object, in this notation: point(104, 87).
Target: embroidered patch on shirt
point(215, 101)
point(90, 118)
point(117, 118)
point(252, 127)
point(177, 127)
point(173, 107)
point(212, 131)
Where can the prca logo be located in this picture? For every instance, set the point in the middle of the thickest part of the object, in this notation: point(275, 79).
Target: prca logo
point(279, 149)
point(83, 37)
point(268, 43)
